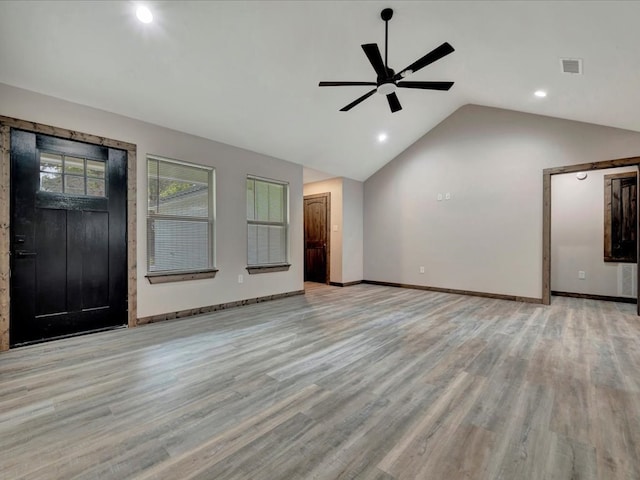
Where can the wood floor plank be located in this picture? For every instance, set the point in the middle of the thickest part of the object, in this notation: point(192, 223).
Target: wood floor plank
point(570, 460)
point(574, 408)
point(407, 458)
point(364, 382)
point(617, 439)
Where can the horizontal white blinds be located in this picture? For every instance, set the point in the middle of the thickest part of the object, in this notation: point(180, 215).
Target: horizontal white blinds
point(267, 244)
point(178, 245)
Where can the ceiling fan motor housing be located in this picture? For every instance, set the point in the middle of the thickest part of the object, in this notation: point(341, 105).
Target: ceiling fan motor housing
point(387, 86)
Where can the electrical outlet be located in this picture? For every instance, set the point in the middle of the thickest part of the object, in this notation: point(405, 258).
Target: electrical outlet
point(582, 275)
point(421, 269)
point(447, 196)
point(439, 197)
point(240, 278)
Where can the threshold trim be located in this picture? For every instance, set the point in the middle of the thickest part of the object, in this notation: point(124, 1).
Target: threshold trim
point(345, 284)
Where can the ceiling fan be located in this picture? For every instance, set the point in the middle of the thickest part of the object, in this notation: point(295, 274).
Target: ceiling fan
point(388, 80)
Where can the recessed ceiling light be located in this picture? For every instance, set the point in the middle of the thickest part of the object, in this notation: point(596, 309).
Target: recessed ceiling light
point(144, 14)
point(382, 137)
point(540, 93)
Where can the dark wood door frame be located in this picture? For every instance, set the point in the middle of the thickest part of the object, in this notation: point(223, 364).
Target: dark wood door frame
point(6, 124)
point(546, 214)
point(326, 195)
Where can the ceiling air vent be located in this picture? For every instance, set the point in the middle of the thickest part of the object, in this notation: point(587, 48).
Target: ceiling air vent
point(571, 65)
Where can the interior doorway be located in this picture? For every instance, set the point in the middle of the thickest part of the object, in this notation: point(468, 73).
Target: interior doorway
point(317, 248)
point(546, 218)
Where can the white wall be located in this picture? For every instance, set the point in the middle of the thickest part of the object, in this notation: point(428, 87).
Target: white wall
point(488, 237)
point(232, 165)
point(352, 235)
point(577, 235)
point(334, 187)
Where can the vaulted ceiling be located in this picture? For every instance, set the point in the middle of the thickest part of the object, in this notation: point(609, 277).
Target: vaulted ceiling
point(246, 73)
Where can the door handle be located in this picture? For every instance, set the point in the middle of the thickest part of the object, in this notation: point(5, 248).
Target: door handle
point(24, 254)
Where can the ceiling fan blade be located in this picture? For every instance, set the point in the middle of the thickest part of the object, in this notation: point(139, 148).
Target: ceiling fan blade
point(373, 54)
point(426, 85)
point(435, 54)
point(394, 103)
point(341, 84)
point(356, 102)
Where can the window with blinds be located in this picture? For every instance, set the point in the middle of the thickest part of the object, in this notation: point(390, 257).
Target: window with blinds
point(267, 222)
point(180, 216)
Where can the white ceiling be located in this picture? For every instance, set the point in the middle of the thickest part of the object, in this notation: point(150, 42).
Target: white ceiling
point(246, 72)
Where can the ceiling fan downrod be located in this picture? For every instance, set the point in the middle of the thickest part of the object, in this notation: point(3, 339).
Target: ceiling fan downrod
point(386, 85)
point(386, 15)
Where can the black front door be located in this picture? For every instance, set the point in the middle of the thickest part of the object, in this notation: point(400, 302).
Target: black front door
point(68, 237)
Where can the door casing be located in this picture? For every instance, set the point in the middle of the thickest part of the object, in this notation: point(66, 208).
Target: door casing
point(326, 195)
point(546, 215)
point(6, 124)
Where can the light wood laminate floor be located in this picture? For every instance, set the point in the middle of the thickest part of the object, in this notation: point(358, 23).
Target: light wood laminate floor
point(363, 382)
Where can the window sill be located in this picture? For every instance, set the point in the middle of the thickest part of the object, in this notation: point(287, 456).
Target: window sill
point(180, 276)
point(268, 268)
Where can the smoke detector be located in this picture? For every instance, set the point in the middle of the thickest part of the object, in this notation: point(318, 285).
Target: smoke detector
point(572, 66)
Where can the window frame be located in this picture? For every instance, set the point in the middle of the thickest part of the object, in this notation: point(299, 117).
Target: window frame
point(164, 276)
point(64, 174)
point(629, 221)
point(270, 267)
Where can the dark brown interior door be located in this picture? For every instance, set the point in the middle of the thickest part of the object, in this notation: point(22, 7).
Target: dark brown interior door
point(316, 238)
point(68, 237)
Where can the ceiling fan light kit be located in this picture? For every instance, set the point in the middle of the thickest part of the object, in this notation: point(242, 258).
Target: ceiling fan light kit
point(388, 81)
point(387, 88)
